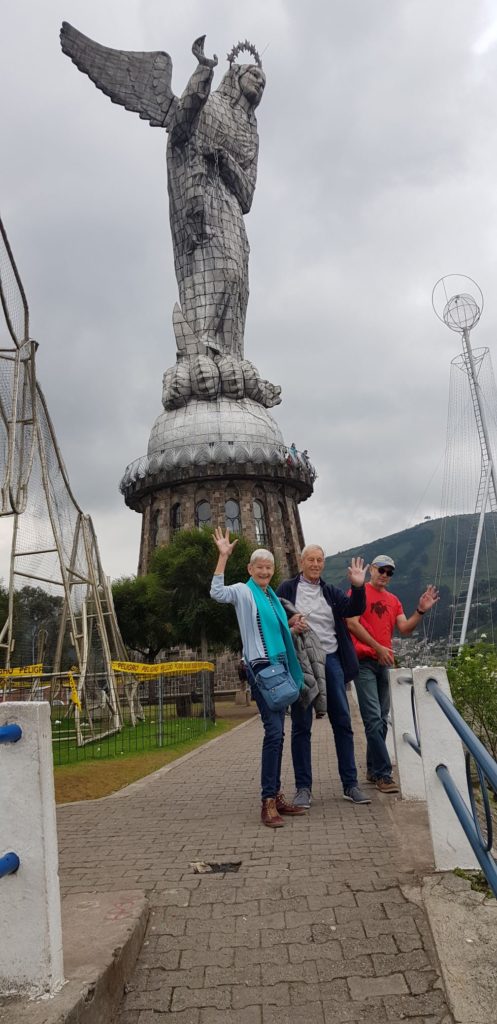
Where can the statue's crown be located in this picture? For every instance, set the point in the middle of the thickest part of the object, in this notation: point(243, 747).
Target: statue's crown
point(240, 48)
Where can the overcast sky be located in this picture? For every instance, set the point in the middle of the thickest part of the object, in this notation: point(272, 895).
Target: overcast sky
point(377, 175)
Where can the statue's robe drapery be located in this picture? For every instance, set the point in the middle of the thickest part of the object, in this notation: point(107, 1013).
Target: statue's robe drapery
point(212, 168)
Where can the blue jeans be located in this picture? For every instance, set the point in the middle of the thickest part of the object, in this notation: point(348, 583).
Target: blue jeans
point(272, 744)
point(373, 694)
point(339, 716)
point(301, 744)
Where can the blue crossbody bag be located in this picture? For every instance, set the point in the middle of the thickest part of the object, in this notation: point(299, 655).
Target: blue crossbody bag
point(277, 686)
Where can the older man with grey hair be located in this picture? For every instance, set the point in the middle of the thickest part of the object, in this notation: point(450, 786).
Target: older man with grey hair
point(323, 608)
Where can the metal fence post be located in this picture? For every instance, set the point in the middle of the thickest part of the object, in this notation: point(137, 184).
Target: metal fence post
point(212, 698)
point(160, 711)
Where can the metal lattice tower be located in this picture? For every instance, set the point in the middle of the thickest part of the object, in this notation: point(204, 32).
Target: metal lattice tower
point(461, 313)
point(60, 609)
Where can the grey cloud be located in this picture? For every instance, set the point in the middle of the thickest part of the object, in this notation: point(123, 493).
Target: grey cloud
point(376, 176)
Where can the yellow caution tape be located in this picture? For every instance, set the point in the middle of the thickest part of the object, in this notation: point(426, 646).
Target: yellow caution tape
point(25, 670)
point(167, 668)
point(74, 691)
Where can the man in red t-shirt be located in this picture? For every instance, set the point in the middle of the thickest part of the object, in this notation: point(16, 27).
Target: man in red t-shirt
point(372, 636)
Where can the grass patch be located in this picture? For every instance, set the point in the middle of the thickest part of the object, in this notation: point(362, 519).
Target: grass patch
point(477, 879)
point(91, 779)
point(104, 774)
point(142, 737)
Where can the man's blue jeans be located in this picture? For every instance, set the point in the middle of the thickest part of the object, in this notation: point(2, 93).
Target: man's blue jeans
point(339, 716)
point(373, 694)
point(272, 744)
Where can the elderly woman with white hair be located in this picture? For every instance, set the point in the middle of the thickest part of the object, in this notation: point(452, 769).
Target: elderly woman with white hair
point(266, 639)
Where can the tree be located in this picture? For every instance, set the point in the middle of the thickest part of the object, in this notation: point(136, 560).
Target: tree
point(473, 680)
point(36, 624)
point(143, 613)
point(4, 604)
point(185, 569)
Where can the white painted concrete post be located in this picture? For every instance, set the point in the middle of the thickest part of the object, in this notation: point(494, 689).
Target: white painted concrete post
point(411, 774)
point(440, 744)
point(30, 920)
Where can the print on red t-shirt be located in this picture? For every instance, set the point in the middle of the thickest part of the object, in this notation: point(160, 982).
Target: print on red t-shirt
point(382, 612)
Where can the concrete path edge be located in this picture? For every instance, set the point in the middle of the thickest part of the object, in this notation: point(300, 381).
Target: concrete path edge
point(103, 934)
point(463, 924)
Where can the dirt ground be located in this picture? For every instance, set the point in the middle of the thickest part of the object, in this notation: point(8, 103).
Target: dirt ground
point(89, 780)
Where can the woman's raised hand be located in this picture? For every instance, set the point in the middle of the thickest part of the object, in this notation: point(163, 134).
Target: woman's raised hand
point(223, 543)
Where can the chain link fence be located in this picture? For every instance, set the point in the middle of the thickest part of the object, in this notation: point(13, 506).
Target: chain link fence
point(152, 711)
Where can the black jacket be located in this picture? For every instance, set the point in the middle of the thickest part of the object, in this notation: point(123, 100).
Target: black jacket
point(343, 607)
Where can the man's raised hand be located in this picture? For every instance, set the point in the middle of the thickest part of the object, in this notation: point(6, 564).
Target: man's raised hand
point(357, 572)
point(429, 598)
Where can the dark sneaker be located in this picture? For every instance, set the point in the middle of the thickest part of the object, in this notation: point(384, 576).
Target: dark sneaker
point(356, 795)
point(283, 807)
point(371, 778)
point(269, 814)
point(387, 785)
point(303, 798)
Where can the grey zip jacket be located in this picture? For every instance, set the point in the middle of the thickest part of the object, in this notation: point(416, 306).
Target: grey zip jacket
point(312, 661)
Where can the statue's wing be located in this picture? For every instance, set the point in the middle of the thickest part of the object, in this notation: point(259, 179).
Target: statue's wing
point(138, 81)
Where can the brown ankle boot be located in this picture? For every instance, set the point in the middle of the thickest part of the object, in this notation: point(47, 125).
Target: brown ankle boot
point(269, 814)
point(283, 807)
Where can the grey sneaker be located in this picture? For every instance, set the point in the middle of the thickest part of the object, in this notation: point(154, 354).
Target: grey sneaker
point(302, 798)
point(355, 795)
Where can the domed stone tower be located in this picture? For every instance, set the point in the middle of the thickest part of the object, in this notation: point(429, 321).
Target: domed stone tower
point(221, 462)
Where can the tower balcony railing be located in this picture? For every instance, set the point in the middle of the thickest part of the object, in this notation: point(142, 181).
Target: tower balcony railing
point(183, 456)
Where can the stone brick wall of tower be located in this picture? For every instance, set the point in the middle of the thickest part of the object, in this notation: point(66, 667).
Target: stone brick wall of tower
point(280, 503)
point(226, 678)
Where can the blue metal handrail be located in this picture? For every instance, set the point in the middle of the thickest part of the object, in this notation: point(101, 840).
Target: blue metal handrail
point(406, 736)
point(9, 864)
point(467, 821)
point(10, 733)
point(474, 745)
point(488, 843)
point(487, 770)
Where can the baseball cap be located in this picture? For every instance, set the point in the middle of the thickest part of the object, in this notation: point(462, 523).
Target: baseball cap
point(383, 560)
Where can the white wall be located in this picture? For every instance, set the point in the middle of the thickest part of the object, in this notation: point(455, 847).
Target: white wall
point(30, 921)
point(440, 744)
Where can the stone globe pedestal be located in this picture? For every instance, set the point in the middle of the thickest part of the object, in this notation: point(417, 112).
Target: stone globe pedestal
point(220, 463)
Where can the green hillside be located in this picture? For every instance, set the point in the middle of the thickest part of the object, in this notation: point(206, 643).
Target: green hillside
point(417, 553)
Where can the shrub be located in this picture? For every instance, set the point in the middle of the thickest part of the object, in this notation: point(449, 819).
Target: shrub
point(473, 679)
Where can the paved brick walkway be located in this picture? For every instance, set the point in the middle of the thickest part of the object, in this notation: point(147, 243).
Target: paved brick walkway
point(315, 927)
